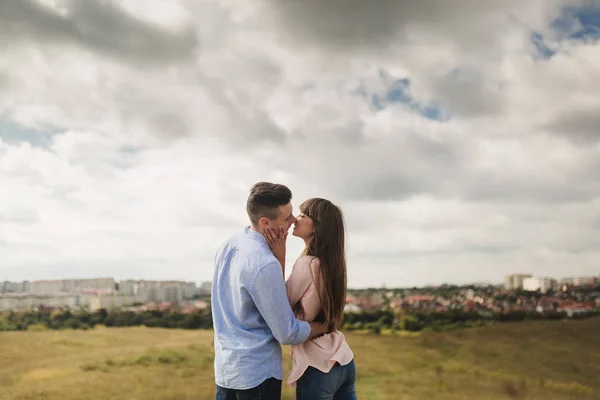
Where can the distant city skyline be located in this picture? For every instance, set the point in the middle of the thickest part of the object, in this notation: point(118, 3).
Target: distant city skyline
point(384, 285)
point(96, 293)
point(572, 295)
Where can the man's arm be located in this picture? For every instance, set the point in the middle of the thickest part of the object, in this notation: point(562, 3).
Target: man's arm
point(269, 295)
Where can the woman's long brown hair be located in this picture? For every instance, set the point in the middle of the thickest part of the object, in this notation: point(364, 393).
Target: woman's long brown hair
point(328, 246)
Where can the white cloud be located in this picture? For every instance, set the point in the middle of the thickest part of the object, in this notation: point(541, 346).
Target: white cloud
point(160, 124)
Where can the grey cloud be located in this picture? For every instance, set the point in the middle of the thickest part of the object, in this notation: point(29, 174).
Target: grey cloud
point(208, 219)
point(514, 188)
point(581, 248)
point(517, 188)
point(414, 164)
point(21, 217)
point(469, 94)
point(362, 24)
point(473, 29)
point(394, 254)
point(417, 165)
point(339, 23)
point(170, 123)
point(4, 81)
point(249, 123)
point(349, 135)
point(97, 25)
point(581, 125)
point(579, 184)
point(385, 185)
point(393, 169)
point(164, 123)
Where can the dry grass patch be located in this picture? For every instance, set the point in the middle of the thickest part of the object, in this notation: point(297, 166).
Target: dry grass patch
point(539, 360)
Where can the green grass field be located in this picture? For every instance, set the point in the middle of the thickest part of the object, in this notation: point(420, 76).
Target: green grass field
point(537, 360)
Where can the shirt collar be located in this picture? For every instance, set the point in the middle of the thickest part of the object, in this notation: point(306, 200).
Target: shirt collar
point(252, 234)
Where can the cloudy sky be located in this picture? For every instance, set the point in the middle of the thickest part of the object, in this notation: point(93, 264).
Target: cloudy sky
point(461, 138)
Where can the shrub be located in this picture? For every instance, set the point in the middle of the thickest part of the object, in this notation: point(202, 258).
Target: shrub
point(37, 328)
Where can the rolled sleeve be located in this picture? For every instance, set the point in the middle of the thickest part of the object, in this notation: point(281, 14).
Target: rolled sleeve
point(269, 295)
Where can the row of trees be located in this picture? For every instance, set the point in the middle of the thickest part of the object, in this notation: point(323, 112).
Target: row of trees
point(46, 320)
point(374, 322)
point(415, 321)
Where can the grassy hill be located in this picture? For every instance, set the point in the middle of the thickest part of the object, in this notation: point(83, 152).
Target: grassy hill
point(537, 360)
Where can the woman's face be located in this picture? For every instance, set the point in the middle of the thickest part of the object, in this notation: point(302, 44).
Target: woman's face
point(304, 227)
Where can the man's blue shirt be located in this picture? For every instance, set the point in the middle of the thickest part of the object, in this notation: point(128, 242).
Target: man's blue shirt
point(251, 313)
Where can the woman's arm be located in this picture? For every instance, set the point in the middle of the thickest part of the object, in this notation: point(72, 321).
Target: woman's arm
point(300, 279)
point(277, 244)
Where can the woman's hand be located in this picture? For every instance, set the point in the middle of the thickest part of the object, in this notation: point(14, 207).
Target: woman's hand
point(277, 243)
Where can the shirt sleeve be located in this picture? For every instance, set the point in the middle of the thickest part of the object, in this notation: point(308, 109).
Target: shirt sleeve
point(300, 280)
point(269, 295)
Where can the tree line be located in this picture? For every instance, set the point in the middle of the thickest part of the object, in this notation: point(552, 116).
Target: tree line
point(47, 320)
point(374, 322)
point(416, 321)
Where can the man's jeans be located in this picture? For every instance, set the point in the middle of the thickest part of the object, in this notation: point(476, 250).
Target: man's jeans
point(337, 384)
point(268, 390)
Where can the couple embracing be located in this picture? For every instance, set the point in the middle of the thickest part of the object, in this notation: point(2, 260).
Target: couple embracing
point(255, 310)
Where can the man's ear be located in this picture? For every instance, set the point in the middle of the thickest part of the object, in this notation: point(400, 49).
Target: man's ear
point(264, 223)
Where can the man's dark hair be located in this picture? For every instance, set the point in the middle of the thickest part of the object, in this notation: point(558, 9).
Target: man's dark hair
point(265, 199)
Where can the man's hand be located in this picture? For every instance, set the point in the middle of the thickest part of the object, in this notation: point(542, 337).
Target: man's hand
point(277, 243)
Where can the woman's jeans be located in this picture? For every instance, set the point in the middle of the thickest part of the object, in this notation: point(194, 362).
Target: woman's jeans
point(337, 384)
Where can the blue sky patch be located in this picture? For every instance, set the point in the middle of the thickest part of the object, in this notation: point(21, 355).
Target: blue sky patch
point(574, 23)
point(13, 133)
point(397, 91)
point(129, 150)
point(579, 23)
point(539, 42)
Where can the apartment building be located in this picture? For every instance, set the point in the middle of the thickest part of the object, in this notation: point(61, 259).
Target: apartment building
point(534, 284)
point(71, 285)
point(515, 281)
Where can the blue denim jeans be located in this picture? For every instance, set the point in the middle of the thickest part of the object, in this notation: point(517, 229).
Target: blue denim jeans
point(337, 384)
point(268, 390)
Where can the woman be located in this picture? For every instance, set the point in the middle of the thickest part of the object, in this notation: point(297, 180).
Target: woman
point(323, 367)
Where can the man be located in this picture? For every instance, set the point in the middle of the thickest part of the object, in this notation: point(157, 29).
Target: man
point(251, 312)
